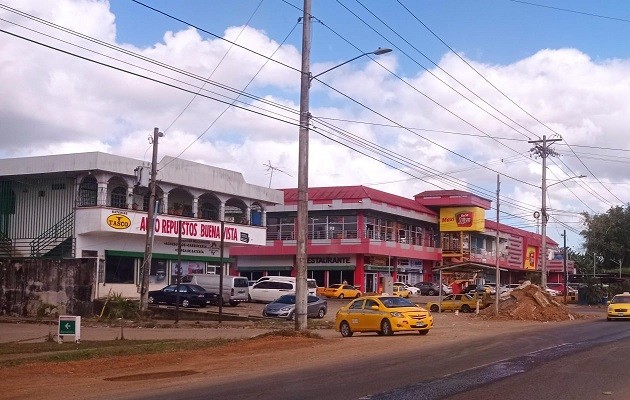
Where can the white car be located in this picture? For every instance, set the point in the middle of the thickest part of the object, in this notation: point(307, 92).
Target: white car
point(553, 292)
point(411, 289)
point(446, 289)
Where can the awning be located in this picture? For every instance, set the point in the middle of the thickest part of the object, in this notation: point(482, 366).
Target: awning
point(470, 267)
point(379, 268)
point(164, 256)
point(343, 267)
point(263, 268)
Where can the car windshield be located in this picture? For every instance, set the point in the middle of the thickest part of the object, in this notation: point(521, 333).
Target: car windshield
point(241, 282)
point(621, 299)
point(286, 299)
point(196, 288)
point(393, 302)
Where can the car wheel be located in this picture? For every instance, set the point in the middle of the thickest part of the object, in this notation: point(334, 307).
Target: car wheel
point(233, 303)
point(265, 313)
point(321, 313)
point(185, 303)
point(151, 300)
point(341, 296)
point(431, 292)
point(424, 332)
point(434, 308)
point(466, 308)
point(291, 317)
point(386, 328)
point(249, 298)
point(345, 330)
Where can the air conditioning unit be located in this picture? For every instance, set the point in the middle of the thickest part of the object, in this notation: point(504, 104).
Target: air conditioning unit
point(229, 219)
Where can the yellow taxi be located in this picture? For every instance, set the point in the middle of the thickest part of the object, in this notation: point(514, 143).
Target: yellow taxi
point(384, 315)
point(401, 291)
point(341, 291)
point(462, 302)
point(619, 307)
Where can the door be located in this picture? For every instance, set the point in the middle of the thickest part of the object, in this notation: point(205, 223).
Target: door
point(370, 282)
point(371, 319)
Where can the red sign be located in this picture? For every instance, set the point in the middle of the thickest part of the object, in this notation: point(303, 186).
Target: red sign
point(464, 219)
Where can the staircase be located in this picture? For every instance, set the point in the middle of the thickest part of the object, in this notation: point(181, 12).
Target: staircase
point(6, 246)
point(59, 234)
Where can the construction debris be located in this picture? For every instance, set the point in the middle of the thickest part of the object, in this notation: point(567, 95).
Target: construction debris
point(529, 302)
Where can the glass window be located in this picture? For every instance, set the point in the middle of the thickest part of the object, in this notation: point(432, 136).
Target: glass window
point(119, 269)
point(357, 305)
point(88, 192)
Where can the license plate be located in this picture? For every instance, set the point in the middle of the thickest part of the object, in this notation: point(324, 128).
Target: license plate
point(620, 314)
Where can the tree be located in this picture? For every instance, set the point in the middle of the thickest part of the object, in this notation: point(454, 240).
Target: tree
point(608, 235)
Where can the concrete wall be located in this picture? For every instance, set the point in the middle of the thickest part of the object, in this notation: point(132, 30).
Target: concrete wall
point(26, 285)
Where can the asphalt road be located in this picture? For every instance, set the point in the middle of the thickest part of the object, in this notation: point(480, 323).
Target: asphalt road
point(552, 363)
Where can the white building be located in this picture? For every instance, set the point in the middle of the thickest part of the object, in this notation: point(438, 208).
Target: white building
point(94, 205)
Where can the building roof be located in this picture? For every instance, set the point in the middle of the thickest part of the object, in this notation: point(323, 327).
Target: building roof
point(452, 198)
point(356, 193)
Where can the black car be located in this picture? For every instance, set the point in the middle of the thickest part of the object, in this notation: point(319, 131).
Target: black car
point(189, 295)
point(427, 288)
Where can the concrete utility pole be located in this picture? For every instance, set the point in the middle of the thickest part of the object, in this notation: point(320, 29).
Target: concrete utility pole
point(542, 149)
point(302, 205)
point(497, 273)
point(148, 251)
point(564, 266)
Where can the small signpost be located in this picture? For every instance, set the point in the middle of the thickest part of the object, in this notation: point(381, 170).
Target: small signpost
point(69, 325)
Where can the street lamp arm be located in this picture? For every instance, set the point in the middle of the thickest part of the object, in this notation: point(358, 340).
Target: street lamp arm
point(567, 179)
point(376, 52)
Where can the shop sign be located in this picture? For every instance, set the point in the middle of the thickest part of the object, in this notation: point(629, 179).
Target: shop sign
point(119, 221)
point(457, 219)
point(330, 260)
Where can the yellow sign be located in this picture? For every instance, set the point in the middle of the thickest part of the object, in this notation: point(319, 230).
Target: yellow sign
point(455, 219)
point(530, 258)
point(118, 221)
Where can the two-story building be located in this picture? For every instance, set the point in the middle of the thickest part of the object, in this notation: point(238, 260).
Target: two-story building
point(94, 205)
point(359, 234)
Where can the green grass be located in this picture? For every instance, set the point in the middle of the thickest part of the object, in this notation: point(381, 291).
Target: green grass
point(13, 354)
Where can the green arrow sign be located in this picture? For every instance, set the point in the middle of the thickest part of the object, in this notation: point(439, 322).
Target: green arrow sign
point(67, 328)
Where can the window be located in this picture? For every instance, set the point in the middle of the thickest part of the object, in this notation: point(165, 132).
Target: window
point(88, 192)
point(119, 269)
point(281, 228)
point(118, 198)
point(357, 305)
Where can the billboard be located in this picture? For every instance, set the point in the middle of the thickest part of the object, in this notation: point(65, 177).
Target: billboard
point(530, 258)
point(456, 219)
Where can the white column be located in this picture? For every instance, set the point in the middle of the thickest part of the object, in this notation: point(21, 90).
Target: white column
point(101, 196)
point(195, 207)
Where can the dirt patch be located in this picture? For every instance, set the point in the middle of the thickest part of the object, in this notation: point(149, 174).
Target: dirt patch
point(529, 303)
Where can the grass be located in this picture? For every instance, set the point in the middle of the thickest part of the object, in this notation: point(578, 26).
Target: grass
point(13, 354)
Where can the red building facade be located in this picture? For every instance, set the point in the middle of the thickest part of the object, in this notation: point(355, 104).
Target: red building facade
point(359, 235)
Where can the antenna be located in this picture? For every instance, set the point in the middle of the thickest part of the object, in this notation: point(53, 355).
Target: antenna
point(271, 169)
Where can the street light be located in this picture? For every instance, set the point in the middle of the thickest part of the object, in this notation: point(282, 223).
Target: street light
point(545, 217)
point(301, 289)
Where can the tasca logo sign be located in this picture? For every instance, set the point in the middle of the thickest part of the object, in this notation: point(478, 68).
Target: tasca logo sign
point(118, 221)
point(464, 219)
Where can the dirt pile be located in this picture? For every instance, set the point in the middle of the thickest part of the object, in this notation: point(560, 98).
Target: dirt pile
point(529, 303)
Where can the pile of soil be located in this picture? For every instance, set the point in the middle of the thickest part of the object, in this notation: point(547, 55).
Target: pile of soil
point(529, 303)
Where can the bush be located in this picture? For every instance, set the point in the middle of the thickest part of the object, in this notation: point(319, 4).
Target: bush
point(116, 306)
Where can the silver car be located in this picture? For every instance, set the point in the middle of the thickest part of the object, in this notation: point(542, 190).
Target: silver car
point(284, 307)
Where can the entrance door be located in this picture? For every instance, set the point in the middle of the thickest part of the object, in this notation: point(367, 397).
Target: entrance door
point(370, 282)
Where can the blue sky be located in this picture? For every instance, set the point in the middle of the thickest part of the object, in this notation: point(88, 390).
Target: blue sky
point(548, 67)
point(489, 31)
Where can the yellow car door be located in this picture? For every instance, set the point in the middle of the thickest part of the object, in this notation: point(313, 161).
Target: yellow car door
point(355, 315)
point(371, 318)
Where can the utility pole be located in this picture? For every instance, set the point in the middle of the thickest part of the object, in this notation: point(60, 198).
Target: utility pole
point(148, 251)
point(497, 274)
point(542, 149)
point(302, 204)
point(564, 266)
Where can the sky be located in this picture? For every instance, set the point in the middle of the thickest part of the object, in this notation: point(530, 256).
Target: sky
point(467, 91)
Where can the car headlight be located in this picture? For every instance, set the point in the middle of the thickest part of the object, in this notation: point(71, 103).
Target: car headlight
point(287, 308)
point(396, 314)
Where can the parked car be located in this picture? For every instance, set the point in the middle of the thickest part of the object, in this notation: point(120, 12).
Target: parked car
point(427, 288)
point(189, 295)
point(446, 289)
point(462, 302)
point(410, 288)
point(553, 292)
point(383, 315)
point(235, 288)
point(284, 307)
point(268, 290)
point(311, 284)
point(472, 289)
point(401, 291)
point(342, 291)
point(619, 307)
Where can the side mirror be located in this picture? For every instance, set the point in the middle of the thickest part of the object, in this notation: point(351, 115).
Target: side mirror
point(374, 308)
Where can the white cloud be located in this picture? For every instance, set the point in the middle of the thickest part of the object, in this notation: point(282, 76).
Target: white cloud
point(55, 103)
